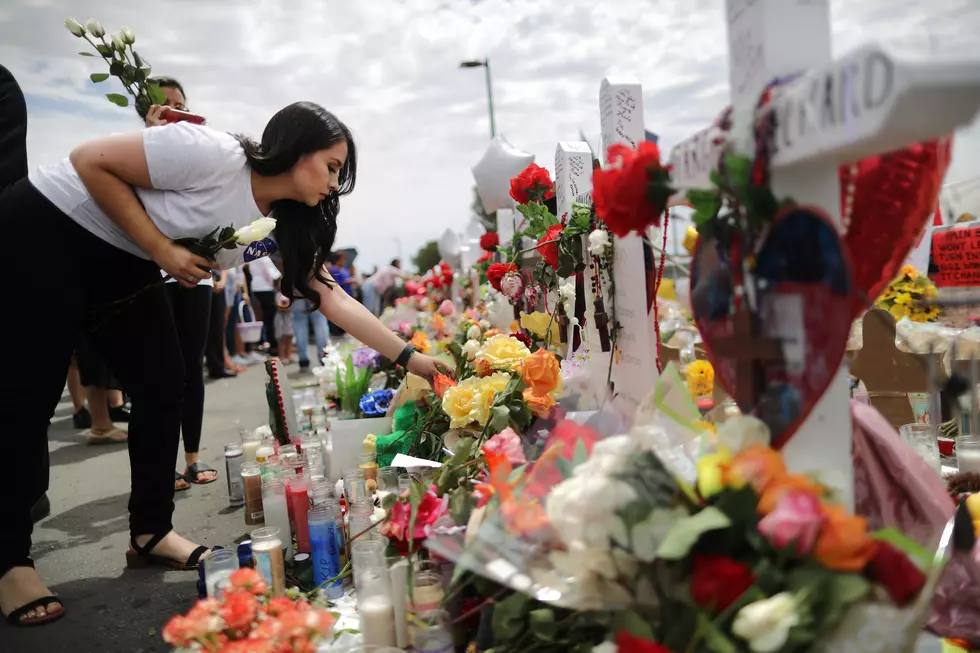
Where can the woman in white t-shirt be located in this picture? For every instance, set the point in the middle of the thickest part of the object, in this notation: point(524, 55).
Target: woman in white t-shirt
point(106, 220)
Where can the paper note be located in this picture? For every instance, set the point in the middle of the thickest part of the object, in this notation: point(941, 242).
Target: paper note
point(401, 460)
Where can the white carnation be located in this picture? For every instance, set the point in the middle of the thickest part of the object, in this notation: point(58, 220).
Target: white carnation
point(598, 242)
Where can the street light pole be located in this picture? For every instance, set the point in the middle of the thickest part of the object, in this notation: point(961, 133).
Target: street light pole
point(485, 64)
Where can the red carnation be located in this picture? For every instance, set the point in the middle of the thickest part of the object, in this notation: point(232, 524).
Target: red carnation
point(497, 271)
point(620, 192)
point(534, 184)
point(892, 569)
point(550, 251)
point(718, 581)
point(489, 241)
point(522, 337)
point(626, 643)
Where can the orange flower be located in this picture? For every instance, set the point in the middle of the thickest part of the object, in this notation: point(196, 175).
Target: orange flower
point(437, 323)
point(780, 485)
point(491, 333)
point(249, 580)
point(441, 383)
point(758, 466)
point(483, 368)
point(843, 543)
point(910, 271)
point(420, 341)
point(540, 405)
point(239, 611)
point(541, 372)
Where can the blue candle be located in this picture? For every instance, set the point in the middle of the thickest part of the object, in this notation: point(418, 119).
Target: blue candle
point(326, 556)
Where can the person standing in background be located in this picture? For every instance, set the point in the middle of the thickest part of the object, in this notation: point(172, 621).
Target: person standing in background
point(379, 283)
point(215, 351)
point(306, 314)
point(265, 280)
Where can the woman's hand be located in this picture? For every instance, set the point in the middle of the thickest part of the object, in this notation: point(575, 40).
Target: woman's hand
point(427, 367)
point(180, 263)
point(153, 118)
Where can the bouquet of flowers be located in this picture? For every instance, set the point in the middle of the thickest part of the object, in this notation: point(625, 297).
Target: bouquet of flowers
point(901, 295)
point(246, 619)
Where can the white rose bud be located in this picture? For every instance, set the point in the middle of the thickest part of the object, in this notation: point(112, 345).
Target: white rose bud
point(473, 333)
point(118, 42)
point(95, 28)
point(598, 242)
point(75, 27)
point(484, 324)
point(127, 35)
point(765, 624)
point(255, 231)
point(470, 349)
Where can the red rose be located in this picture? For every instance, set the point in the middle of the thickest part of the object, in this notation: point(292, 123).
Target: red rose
point(486, 256)
point(718, 581)
point(522, 337)
point(532, 184)
point(497, 271)
point(489, 241)
point(892, 569)
point(550, 251)
point(620, 192)
point(626, 643)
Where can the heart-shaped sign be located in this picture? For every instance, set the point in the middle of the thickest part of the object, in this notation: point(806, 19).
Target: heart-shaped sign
point(777, 361)
point(886, 202)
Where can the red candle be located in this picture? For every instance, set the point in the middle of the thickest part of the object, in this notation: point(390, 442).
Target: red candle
point(297, 496)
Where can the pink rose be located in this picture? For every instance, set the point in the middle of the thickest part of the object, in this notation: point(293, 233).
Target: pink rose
point(405, 328)
point(506, 443)
point(430, 510)
point(447, 308)
point(796, 519)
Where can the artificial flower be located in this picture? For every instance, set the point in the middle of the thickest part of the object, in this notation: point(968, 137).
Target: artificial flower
point(533, 184)
point(421, 342)
point(502, 352)
point(508, 444)
point(430, 509)
point(376, 404)
point(621, 191)
point(598, 242)
point(441, 383)
point(700, 379)
point(538, 323)
point(795, 522)
point(910, 271)
point(484, 257)
point(717, 581)
point(365, 357)
point(540, 405)
point(496, 272)
point(844, 543)
point(765, 624)
point(489, 333)
point(489, 241)
point(541, 371)
point(494, 383)
point(470, 349)
point(893, 570)
point(548, 245)
point(512, 286)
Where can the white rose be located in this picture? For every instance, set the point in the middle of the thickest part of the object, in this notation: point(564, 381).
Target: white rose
point(484, 325)
point(255, 231)
point(118, 42)
point(75, 27)
point(127, 35)
point(474, 333)
point(583, 509)
point(617, 445)
point(95, 28)
point(566, 290)
point(598, 242)
point(739, 433)
point(765, 624)
point(647, 535)
point(601, 464)
point(606, 647)
point(470, 349)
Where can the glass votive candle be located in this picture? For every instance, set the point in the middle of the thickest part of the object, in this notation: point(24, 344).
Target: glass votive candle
point(405, 482)
point(351, 476)
point(924, 439)
point(267, 552)
point(388, 479)
point(250, 445)
point(369, 466)
point(968, 453)
point(427, 592)
point(218, 568)
point(366, 555)
point(376, 609)
point(429, 632)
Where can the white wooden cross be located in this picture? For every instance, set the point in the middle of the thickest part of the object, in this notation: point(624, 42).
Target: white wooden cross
point(869, 102)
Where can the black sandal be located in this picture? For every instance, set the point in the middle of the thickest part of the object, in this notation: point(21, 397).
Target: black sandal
point(141, 558)
point(14, 618)
point(194, 470)
point(180, 477)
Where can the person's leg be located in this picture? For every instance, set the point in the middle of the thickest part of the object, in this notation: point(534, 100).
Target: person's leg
point(98, 399)
point(370, 297)
point(75, 389)
point(215, 346)
point(267, 302)
point(95, 377)
point(321, 333)
point(301, 331)
point(192, 309)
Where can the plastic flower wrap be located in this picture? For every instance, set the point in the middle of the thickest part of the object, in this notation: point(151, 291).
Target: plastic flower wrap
point(375, 404)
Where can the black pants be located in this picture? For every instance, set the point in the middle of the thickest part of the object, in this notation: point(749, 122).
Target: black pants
point(92, 369)
point(267, 302)
point(13, 131)
point(215, 350)
point(118, 300)
point(192, 314)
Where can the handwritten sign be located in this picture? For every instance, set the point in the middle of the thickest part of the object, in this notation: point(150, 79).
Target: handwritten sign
point(620, 114)
point(694, 159)
point(573, 174)
point(956, 252)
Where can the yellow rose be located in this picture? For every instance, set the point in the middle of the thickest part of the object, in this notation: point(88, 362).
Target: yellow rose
point(482, 407)
point(457, 402)
point(496, 382)
point(437, 323)
point(711, 472)
point(542, 372)
point(503, 353)
point(538, 323)
point(540, 405)
point(421, 342)
point(690, 239)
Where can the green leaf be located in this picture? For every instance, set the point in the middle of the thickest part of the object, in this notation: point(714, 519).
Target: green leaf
point(461, 505)
point(912, 549)
point(686, 532)
point(565, 467)
point(716, 640)
point(543, 624)
point(581, 453)
point(500, 419)
point(738, 169)
point(389, 501)
point(118, 100)
point(86, 54)
point(117, 69)
point(104, 50)
point(98, 77)
point(508, 617)
point(156, 93)
point(632, 623)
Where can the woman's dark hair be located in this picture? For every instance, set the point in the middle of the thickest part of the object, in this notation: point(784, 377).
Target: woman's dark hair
point(305, 234)
point(164, 82)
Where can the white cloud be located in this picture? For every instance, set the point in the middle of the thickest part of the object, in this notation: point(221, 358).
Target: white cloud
point(389, 68)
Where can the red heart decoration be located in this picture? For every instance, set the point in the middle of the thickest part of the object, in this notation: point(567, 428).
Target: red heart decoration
point(892, 197)
point(804, 292)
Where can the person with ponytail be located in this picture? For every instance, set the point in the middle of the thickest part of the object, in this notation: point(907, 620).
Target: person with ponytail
point(106, 219)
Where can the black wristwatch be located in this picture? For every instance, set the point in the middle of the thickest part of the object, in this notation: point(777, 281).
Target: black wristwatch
point(405, 356)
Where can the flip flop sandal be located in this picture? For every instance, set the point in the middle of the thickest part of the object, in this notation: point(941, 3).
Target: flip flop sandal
point(194, 470)
point(179, 477)
point(14, 618)
point(115, 436)
point(141, 558)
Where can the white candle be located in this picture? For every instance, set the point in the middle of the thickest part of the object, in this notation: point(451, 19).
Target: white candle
point(262, 452)
point(249, 448)
point(398, 573)
point(276, 514)
point(216, 582)
point(377, 621)
point(968, 460)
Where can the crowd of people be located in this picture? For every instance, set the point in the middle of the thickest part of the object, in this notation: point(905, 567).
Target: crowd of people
point(132, 320)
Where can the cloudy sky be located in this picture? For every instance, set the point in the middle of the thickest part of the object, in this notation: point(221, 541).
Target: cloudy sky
point(389, 68)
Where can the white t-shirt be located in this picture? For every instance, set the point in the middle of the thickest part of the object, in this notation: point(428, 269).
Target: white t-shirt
point(201, 181)
point(264, 275)
point(384, 278)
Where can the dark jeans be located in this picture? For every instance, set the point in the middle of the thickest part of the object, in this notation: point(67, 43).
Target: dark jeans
point(215, 351)
point(267, 302)
point(78, 292)
point(192, 313)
